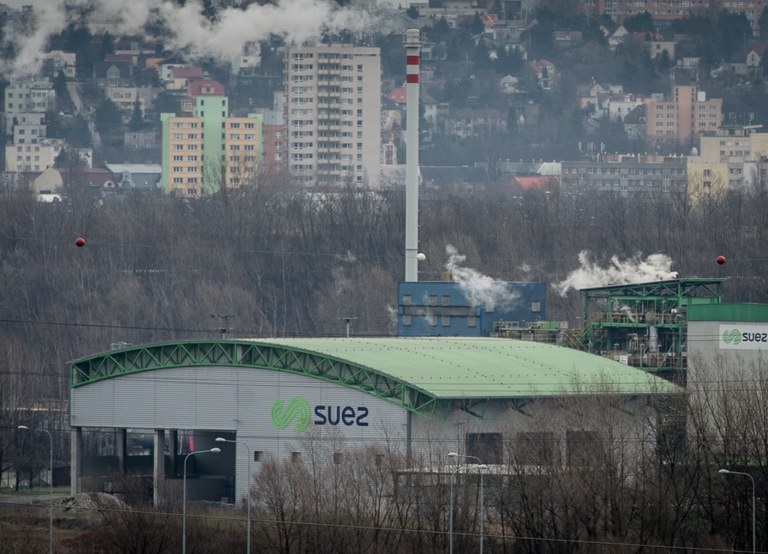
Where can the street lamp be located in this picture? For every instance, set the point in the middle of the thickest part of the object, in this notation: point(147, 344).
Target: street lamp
point(450, 514)
point(482, 467)
point(754, 532)
point(50, 483)
point(184, 496)
point(248, 496)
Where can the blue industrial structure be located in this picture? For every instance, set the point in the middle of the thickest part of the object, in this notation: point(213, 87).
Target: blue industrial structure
point(454, 308)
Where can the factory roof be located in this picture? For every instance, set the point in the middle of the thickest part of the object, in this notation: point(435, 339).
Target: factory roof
point(418, 373)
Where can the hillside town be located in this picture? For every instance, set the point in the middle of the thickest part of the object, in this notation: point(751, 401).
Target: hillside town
point(514, 95)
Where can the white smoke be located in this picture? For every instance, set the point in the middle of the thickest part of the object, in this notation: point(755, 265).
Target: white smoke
point(235, 31)
point(655, 267)
point(479, 289)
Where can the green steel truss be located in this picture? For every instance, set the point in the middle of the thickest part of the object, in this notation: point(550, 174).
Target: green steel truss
point(623, 316)
point(252, 355)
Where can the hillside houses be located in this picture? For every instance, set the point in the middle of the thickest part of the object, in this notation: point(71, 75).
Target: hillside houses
point(492, 85)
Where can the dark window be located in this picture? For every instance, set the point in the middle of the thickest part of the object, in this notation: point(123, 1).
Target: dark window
point(581, 447)
point(536, 448)
point(484, 446)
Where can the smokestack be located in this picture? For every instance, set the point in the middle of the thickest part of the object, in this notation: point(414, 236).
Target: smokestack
point(412, 50)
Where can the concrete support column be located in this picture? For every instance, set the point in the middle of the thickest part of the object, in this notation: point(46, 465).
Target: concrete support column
point(75, 460)
point(158, 472)
point(121, 443)
point(173, 448)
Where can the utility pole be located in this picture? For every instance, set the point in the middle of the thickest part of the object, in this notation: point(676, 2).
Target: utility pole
point(224, 326)
point(347, 322)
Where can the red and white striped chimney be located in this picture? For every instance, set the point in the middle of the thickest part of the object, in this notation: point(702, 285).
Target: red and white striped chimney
point(412, 52)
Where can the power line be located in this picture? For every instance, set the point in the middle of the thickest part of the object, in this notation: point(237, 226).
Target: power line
point(270, 522)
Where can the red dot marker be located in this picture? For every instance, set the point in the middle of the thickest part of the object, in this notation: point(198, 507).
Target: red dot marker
point(720, 260)
point(80, 242)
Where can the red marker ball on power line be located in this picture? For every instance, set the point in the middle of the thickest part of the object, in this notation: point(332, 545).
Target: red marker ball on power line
point(80, 242)
point(720, 260)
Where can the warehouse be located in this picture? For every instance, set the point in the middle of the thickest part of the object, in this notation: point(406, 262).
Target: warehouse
point(424, 397)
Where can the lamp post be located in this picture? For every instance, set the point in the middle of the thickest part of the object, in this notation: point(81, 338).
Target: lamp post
point(50, 483)
point(450, 514)
point(754, 532)
point(184, 496)
point(248, 496)
point(482, 467)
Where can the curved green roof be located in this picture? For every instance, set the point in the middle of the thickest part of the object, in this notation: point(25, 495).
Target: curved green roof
point(415, 372)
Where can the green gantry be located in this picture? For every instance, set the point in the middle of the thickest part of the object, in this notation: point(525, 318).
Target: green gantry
point(645, 321)
point(252, 355)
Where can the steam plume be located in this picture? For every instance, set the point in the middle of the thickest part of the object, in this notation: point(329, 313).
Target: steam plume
point(235, 31)
point(655, 267)
point(477, 288)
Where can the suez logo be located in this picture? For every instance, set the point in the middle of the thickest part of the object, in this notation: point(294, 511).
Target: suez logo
point(744, 337)
point(298, 412)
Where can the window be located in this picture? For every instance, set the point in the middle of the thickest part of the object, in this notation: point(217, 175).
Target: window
point(407, 320)
point(446, 321)
point(432, 300)
point(580, 446)
point(484, 446)
point(407, 300)
point(537, 448)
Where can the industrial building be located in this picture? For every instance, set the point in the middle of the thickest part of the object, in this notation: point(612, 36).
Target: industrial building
point(421, 397)
point(644, 324)
point(451, 308)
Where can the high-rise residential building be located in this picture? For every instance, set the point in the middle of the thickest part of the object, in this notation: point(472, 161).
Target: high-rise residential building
point(210, 150)
point(333, 115)
point(681, 118)
point(274, 136)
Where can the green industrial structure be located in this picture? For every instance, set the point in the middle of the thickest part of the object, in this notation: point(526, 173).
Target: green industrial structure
point(644, 324)
point(418, 397)
point(422, 375)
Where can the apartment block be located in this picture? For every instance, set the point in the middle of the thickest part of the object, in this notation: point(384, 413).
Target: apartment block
point(31, 96)
point(210, 150)
point(27, 128)
point(626, 175)
point(332, 113)
point(40, 155)
point(731, 159)
point(682, 117)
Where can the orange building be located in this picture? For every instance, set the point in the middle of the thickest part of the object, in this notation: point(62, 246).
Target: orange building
point(686, 115)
